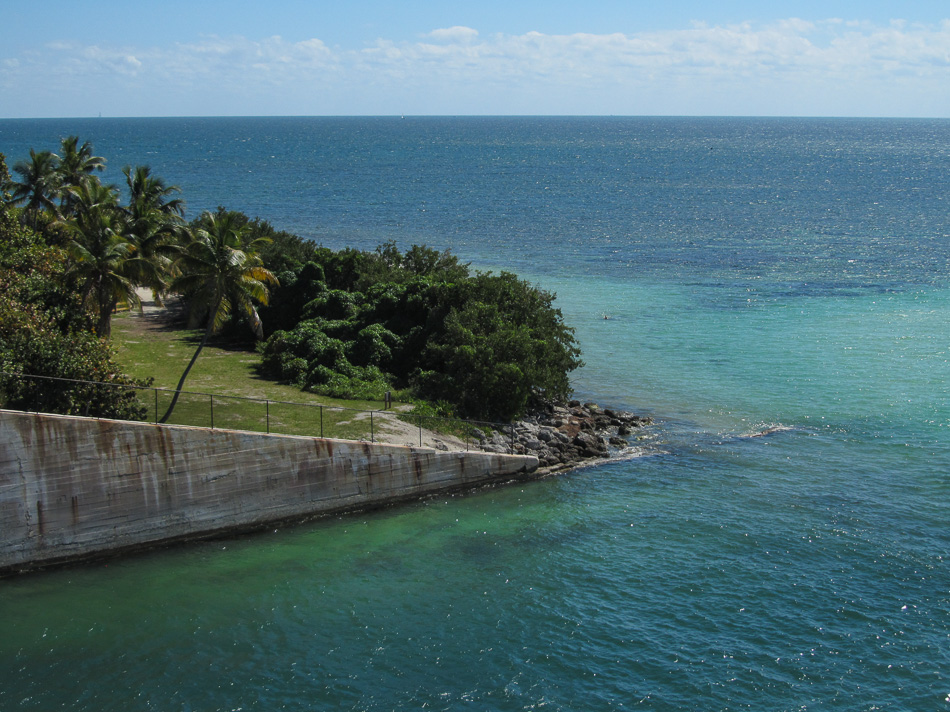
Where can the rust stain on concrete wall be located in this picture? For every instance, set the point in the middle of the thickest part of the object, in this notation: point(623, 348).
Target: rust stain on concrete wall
point(74, 488)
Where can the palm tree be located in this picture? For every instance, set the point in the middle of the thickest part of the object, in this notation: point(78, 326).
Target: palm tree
point(103, 258)
point(39, 186)
point(151, 192)
point(220, 274)
point(156, 221)
point(75, 163)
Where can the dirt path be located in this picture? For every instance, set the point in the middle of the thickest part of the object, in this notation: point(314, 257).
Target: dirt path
point(388, 428)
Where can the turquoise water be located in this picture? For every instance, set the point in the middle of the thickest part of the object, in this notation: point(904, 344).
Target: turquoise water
point(787, 274)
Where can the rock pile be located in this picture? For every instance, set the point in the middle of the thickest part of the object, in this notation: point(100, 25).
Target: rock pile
point(563, 437)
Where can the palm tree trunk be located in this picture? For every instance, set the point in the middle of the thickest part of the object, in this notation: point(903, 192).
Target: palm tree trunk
point(107, 305)
point(181, 384)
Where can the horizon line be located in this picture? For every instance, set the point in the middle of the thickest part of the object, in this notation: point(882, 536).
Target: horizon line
point(478, 116)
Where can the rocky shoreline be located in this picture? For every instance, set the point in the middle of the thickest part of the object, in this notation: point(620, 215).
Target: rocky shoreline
point(565, 436)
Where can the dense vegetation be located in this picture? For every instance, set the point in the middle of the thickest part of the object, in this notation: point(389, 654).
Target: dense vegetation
point(348, 323)
point(46, 331)
point(354, 324)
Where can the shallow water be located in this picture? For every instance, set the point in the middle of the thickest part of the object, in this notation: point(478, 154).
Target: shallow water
point(757, 274)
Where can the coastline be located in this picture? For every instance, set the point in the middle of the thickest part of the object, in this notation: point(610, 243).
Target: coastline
point(571, 436)
point(562, 436)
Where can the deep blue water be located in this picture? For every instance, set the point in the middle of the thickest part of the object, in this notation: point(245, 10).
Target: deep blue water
point(757, 273)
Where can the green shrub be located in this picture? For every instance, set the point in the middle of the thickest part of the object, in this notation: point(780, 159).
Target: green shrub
point(486, 344)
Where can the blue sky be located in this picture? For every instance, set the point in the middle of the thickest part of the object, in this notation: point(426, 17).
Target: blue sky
point(623, 57)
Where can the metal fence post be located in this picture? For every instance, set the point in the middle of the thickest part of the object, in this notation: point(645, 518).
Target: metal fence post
point(40, 387)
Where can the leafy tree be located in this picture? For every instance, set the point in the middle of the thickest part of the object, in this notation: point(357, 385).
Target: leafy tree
point(297, 289)
point(342, 269)
point(484, 345)
point(389, 265)
point(6, 182)
point(426, 262)
point(285, 251)
point(501, 343)
point(220, 273)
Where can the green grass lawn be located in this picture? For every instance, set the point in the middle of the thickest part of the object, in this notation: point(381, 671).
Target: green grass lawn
point(225, 376)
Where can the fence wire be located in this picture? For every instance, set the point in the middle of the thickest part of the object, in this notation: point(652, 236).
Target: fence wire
point(91, 399)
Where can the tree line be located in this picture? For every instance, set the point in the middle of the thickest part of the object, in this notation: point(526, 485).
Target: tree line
point(110, 249)
point(345, 323)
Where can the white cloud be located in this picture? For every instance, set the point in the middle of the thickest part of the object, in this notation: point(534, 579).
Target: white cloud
point(790, 46)
point(454, 34)
point(793, 66)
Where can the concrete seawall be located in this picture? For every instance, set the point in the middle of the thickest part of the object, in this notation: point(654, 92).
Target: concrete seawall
point(75, 488)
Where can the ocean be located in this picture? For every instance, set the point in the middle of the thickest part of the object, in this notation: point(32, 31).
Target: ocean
point(780, 275)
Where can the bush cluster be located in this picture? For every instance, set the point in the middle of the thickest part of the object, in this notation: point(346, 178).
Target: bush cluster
point(353, 324)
